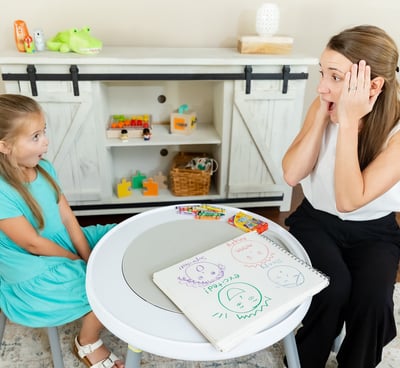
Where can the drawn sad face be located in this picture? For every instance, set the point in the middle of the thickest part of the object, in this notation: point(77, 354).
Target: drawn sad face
point(286, 276)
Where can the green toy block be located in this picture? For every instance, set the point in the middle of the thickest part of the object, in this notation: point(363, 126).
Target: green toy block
point(137, 180)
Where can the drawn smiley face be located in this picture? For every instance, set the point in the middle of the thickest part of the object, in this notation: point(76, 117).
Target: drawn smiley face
point(204, 272)
point(251, 253)
point(240, 297)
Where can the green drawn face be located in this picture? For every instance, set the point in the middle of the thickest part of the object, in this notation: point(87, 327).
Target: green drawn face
point(240, 297)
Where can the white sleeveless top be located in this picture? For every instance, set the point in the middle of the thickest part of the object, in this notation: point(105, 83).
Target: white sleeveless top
point(319, 190)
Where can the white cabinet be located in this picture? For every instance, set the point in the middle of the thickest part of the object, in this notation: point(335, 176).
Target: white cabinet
point(249, 108)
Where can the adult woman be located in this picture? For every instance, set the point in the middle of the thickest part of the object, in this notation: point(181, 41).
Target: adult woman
point(345, 158)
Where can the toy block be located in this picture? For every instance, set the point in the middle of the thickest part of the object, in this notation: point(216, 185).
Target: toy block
point(132, 124)
point(161, 180)
point(137, 180)
point(183, 123)
point(151, 187)
point(124, 188)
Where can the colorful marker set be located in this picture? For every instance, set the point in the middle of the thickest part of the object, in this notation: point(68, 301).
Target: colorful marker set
point(202, 211)
point(248, 223)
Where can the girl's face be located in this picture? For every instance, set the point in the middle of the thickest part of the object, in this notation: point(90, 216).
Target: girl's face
point(32, 143)
point(333, 67)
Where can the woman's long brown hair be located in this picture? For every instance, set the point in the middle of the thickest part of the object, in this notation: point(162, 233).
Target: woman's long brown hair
point(380, 52)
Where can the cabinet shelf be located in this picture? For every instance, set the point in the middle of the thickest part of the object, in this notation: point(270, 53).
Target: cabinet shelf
point(163, 196)
point(203, 134)
point(249, 109)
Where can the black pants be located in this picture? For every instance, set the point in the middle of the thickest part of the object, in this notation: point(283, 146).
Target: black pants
point(361, 259)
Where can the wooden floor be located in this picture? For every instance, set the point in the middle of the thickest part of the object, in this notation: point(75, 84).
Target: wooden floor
point(272, 213)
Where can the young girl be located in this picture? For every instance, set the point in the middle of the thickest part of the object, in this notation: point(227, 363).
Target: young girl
point(346, 157)
point(43, 250)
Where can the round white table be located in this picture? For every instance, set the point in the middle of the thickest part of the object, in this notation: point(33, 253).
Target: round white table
point(121, 292)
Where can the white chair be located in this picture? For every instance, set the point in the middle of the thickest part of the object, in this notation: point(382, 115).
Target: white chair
point(53, 339)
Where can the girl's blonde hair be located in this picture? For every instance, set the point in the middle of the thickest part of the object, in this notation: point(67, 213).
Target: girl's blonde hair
point(378, 49)
point(13, 111)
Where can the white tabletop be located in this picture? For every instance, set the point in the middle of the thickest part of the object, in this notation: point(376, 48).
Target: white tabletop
point(123, 296)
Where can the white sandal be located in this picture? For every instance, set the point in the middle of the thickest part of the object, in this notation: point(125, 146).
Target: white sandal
point(82, 351)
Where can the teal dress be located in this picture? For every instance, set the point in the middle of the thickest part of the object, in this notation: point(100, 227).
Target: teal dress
point(42, 291)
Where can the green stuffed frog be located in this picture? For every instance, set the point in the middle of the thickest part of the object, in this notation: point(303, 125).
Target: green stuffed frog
point(79, 41)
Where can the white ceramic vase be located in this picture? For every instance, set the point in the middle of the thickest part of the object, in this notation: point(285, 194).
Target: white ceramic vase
point(267, 19)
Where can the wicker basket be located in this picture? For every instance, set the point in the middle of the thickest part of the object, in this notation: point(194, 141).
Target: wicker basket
point(186, 181)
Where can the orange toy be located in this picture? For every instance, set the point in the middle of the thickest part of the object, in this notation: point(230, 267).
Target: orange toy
point(20, 34)
point(151, 187)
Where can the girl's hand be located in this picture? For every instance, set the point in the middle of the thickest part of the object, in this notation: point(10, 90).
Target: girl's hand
point(355, 100)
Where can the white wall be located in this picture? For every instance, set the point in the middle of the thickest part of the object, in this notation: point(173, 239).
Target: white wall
point(198, 23)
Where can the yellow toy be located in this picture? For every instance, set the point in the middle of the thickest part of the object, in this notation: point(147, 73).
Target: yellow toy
point(124, 188)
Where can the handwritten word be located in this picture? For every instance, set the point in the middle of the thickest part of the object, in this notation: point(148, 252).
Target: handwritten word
point(220, 284)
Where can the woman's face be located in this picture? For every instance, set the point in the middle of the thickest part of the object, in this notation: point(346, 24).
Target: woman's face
point(333, 67)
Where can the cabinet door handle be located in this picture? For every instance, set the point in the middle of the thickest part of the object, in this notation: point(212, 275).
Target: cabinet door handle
point(285, 77)
point(74, 76)
point(248, 71)
point(31, 70)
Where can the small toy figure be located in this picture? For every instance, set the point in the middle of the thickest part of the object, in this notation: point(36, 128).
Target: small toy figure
point(146, 134)
point(123, 136)
point(29, 45)
point(20, 33)
point(38, 38)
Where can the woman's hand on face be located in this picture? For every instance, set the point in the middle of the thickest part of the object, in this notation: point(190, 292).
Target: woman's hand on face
point(323, 111)
point(355, 100)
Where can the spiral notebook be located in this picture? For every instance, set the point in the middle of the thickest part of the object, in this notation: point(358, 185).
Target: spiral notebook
point(239, 288)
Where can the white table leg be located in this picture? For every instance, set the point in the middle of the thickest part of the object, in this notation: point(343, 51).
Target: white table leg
point(292, 355)
point(133, 357)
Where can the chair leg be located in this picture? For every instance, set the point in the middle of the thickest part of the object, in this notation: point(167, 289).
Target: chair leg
point(2, 325)
point(54, 340)
point(292, 355)
point(55, 347)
